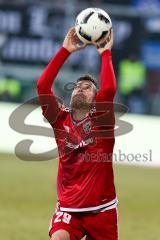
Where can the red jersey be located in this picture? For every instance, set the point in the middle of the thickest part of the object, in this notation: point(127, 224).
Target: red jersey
point(85, 179)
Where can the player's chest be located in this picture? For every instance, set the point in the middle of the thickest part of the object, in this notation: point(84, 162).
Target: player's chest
point(78, 134)
point(77, 130)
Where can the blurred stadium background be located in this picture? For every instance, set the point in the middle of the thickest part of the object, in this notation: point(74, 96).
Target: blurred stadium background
point(31, 31)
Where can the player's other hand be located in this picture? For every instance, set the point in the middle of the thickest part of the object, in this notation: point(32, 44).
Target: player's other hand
point(108, 44)
point(72, 42)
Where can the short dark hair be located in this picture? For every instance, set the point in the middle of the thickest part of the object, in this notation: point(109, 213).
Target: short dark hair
point(88, 77)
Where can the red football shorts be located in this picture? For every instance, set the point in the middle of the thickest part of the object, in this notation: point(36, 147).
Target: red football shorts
point(100, 225)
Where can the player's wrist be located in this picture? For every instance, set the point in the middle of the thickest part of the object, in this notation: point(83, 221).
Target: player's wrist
point(66, 49)
point(106, 52)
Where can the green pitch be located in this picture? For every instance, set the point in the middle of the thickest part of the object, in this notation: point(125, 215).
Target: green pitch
point(28, 196)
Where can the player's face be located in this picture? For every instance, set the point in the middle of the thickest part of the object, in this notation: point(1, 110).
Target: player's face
point(83, 95)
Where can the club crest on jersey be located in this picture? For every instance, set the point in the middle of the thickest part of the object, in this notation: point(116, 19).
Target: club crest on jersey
point(87, 127)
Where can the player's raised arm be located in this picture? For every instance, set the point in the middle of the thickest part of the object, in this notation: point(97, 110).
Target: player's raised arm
point(107, 77)
point(47, 98)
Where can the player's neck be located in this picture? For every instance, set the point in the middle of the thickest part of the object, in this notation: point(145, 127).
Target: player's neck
point(79, 114)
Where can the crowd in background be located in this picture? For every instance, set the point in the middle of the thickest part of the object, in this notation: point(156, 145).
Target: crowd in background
point(30, 47)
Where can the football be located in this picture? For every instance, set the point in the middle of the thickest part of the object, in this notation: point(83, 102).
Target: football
point(93, 25)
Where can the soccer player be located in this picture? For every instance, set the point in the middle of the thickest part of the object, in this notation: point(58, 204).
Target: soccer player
point(87, 203)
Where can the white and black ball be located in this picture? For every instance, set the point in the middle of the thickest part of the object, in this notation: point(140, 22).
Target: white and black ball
point(93, 25)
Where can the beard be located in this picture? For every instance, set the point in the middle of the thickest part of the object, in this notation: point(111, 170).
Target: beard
point(79, 102)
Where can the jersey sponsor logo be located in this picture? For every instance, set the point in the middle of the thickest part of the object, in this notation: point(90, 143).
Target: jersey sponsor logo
point(81, 144)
